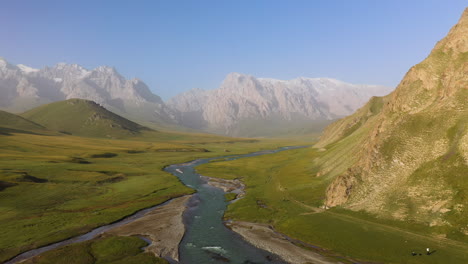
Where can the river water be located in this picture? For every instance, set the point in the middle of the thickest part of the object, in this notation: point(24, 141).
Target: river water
point(207, 240)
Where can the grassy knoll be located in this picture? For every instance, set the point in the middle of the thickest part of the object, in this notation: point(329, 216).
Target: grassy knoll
point(283, 190)
point(83, 118)
point(55, 187)
point(112, 250)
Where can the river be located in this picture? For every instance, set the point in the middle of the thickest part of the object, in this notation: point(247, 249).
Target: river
point(206, 239)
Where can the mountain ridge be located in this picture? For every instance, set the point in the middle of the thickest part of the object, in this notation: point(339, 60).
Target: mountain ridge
point(243, 99)
point(404, 155)
point(23, 88)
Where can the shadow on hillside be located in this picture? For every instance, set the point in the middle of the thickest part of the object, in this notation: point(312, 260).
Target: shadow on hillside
point(4, 131)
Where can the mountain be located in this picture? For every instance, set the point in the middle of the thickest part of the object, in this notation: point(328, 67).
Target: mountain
point(405, 156)
point(249, 106)
point(23, 87)
point(83, 118)
point(13, 123)
point(242, 106)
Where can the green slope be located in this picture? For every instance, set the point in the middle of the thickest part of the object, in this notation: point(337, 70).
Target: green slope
point(405, 156)
point(11, 123)
point(83, 118)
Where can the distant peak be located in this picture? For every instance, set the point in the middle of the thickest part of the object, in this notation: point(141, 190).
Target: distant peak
point(26, 69)
point(3, 62)
point(63, 66)
point(105, 69)
point(235, 75)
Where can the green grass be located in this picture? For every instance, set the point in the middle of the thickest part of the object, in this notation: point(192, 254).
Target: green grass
point(100, 251)
point(230, 196)
point(88, 182)
point(83, 118)
point(11, 123)
point(282, 190)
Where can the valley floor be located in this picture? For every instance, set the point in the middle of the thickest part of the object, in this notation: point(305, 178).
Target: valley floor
point(53, 187)
point(56, 187)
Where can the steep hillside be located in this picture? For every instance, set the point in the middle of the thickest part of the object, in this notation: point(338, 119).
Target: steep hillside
point(249, 106)
point(83, 118)
point(405, 156)
point(14, 123)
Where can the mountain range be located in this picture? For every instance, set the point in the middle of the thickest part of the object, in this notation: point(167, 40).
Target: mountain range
point(249, 106)
point(23, 88)
point(242, 106)
point(404, 156)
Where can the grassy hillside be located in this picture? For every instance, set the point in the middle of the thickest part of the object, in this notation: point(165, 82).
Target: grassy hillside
point(55, 187)
point(83, 118)
point(407, 159)
point(14, 123)
point(284, 191)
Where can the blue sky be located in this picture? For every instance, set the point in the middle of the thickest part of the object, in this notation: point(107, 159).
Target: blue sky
point(175, 46)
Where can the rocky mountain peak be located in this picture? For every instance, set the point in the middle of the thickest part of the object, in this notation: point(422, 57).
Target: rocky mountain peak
point(107, 70)
point(26, 69)
point(4, 64)
point(456, 40)
point(244, 99)
point(103, 85)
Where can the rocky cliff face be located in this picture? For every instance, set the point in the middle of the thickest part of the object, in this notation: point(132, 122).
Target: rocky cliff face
point(22, 88)
point(243, 100)
point(405, 156)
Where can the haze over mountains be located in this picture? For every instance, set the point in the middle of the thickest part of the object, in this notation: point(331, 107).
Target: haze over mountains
point(22, 88)
point(405, 156)
point(242, 106)
point(243, 102)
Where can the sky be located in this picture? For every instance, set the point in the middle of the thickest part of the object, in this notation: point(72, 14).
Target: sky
point(174, 46)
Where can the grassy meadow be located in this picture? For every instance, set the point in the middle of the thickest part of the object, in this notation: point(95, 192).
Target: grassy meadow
point(282, 190)
point(53, 187)
point(109, 250)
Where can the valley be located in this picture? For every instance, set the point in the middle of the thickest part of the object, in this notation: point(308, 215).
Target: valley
point(95, 168)
point(58, 186)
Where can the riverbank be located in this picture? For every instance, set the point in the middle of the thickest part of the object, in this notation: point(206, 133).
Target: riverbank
point(266, 238)
point(228, 186)
point(263, 236)
point(163, 226)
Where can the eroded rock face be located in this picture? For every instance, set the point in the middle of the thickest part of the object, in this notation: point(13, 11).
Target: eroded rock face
point(22, 88)
point(408, 149)
point(243, 99)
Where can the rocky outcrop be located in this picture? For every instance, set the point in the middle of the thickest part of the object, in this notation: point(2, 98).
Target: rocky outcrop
point(406, 152)
point(246, 101)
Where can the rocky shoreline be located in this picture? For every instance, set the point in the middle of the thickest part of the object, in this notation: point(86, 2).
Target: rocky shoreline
point(163, 226)
point(266, 238)
point(228, 186)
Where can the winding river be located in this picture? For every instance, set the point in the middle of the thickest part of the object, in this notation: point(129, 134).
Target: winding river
point(206, 239)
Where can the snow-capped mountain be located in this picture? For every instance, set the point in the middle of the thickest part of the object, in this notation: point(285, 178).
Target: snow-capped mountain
point(242, 106)
point(23, 87)
point(243, 101)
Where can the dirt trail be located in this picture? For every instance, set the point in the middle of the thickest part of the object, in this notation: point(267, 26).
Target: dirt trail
point(314, 210)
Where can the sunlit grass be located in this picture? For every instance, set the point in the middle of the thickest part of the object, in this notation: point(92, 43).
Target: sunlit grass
point(91, 182)
point(284, 191)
